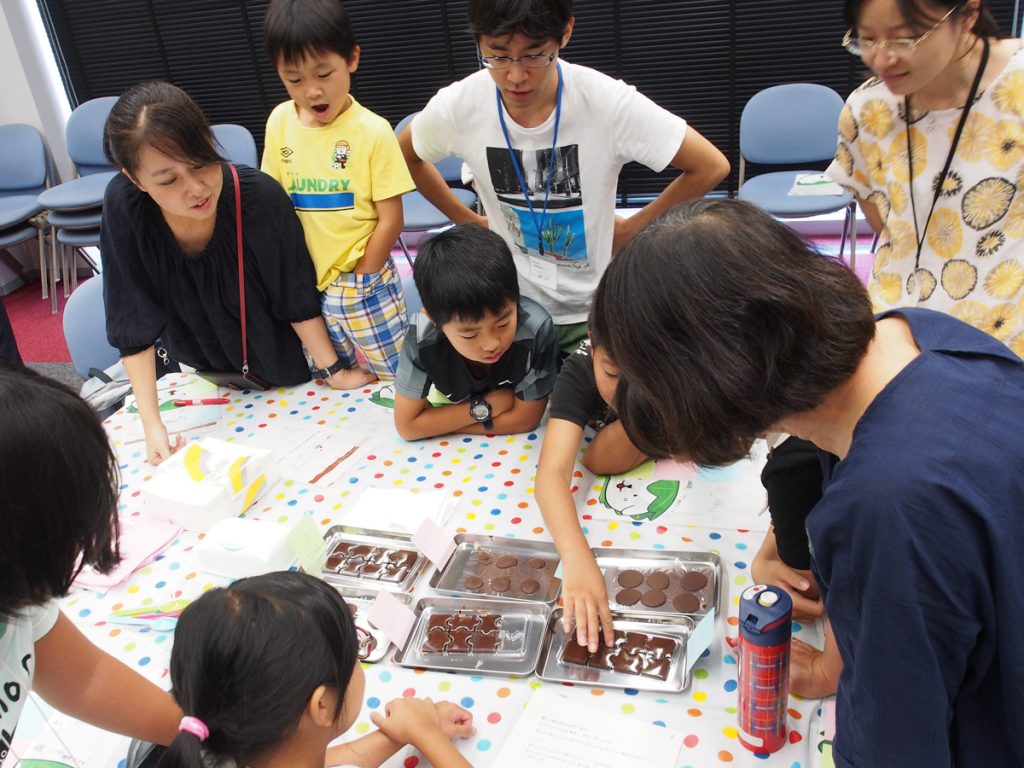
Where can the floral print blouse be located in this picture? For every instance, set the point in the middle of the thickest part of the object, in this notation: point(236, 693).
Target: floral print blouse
point(972, 260)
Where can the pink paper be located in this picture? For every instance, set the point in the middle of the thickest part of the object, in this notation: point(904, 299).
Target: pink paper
point(829, 716)
point(392, 618)
point(433, 542)
point(142, 539)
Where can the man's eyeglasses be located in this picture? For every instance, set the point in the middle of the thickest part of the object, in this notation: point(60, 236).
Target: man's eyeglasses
point(899, 46)
point(536, 61)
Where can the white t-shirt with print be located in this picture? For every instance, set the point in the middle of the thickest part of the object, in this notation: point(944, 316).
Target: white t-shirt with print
point(972, 262)
point(18, 637)
point(604, 124)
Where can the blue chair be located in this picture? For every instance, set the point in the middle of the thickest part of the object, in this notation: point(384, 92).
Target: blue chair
point(413, 303)
point(419, 214)
point(25, 172)
point(236, 144)
point(77, 204)
point(790, 125)
point(85, 329)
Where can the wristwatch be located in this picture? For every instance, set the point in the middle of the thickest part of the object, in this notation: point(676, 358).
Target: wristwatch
point(480, 410)
point(319, 374)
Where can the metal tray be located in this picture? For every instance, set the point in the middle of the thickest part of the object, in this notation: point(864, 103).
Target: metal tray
point(362, 599)
point(381, 539)
point(522, 632)
point(551, 667)
point(465, 563)
point(674, 564)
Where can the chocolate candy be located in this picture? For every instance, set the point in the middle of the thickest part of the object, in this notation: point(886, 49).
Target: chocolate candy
point(686, 603)
point(473, 582)
point(501, 584)
point(365, 561)
point(633, 653)
point(654, 598)
point(694, 581)
point(657, 580)
point(484, 558)
point(537, 563)
point(462, 632)
point(630, 579)
point(628, 597)
point(530, 587)
point(507, 561)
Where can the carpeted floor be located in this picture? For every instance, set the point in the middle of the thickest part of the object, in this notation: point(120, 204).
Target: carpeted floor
point(40, 335)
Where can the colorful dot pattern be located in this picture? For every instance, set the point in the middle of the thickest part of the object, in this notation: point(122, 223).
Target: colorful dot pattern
point(492, 480)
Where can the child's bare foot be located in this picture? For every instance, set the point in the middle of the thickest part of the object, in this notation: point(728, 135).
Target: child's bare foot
point(351, 378)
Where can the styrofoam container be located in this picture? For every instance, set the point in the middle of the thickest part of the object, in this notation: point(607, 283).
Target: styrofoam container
point(236, 547)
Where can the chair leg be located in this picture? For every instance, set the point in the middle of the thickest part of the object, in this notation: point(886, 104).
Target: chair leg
point(53, 270)
point(853, 236)
point(74, 268)
point(846, 233)
point(43, 277)
point(405, 250)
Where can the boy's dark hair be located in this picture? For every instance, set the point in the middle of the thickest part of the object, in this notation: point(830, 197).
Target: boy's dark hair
point(534, 19)
point(723, 322)
point(919, 14)
point(247, 658)
point(294, 29)
point(163, 116)
point(58, 487)
point(463, 273)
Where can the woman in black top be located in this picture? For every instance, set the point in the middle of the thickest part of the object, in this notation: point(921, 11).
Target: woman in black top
point(170, 260)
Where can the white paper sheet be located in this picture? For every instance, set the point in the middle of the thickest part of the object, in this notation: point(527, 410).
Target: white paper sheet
point(386, 509)
point(554, 733)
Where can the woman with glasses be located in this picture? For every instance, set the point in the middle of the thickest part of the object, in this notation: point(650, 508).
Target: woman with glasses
point(946, 101)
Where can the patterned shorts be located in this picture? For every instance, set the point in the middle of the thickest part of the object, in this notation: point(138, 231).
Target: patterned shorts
point(367, 312)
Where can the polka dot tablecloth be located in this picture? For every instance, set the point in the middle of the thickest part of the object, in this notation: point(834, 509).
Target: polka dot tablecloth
point(491, 480)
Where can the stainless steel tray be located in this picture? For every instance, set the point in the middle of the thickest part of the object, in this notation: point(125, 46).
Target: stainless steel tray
point(674, 564)
point(382, 540)
point(551, 667)
point(361, 598)
point(466, 562)
point(521, 634)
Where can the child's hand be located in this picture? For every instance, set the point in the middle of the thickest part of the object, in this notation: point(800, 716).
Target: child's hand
point(768, 568)
point(813, 674)
point(409, 720)
point(456, 722)
point(585, 599)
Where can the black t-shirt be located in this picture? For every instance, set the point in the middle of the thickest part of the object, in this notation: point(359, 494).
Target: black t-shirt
point(576, 397)
point(153, 290)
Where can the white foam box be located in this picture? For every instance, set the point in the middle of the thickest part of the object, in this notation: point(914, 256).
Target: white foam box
point(207, 481)
point(236, 547)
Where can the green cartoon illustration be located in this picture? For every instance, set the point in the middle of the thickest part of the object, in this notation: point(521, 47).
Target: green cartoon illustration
point(637, 498)
point(385, 397)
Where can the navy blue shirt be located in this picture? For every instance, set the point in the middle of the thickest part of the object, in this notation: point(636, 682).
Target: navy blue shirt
point(918, 545)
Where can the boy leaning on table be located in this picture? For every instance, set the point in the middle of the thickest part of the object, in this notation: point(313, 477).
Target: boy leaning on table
point(490, 352)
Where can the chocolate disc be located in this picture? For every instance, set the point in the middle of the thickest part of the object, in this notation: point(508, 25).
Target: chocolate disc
point(657, 580)
point(537, 563)
point(694, 581)
point(530, 587)
point(628, 597)
point(654, 598)
point(501, 584)
point(686, 603)
point(484, 558)
point(507, 561)
point(473, 582)
point(630, 579)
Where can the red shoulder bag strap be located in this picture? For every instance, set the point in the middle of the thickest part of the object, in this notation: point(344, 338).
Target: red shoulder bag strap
point(241, 268)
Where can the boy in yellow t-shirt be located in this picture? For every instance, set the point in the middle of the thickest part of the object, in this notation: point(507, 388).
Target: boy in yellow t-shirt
point(343, 168)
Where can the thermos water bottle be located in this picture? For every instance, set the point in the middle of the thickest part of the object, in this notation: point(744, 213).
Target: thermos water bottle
point(765, 627)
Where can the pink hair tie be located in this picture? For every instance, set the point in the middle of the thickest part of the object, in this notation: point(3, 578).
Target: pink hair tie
point(195, 726)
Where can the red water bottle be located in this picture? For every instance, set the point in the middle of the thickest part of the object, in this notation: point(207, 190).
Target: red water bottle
point(766, 614)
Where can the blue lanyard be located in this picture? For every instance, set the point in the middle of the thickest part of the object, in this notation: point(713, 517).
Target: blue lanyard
point(551, 161)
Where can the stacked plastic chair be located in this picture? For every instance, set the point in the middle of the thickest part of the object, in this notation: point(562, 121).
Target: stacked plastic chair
point(25, 172)
point(76, 206)
point(235, 144)
point(419, 214)
point(789, 125)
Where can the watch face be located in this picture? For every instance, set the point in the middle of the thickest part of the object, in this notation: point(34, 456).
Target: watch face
point(480, 410)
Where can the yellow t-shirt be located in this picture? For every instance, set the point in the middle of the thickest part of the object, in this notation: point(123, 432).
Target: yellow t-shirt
point(334, 175)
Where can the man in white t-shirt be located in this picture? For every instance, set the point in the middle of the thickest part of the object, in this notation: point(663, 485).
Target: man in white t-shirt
point(545, 141)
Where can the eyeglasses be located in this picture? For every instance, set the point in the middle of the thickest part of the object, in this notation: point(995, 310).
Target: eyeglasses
point(899, 46)
point(536, 61)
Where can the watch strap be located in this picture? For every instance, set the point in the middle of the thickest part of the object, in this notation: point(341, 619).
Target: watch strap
point(319, 374)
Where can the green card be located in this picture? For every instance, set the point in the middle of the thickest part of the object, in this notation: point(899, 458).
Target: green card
point(308, 545)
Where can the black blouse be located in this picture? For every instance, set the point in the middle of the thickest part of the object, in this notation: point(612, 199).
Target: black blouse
point(153, 290)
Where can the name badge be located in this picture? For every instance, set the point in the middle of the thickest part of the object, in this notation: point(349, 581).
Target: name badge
point(543, 273)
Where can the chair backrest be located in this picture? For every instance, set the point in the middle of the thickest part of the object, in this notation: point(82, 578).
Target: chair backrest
point(236, 144)
point(450, 167)
point(84, 134)
point(793, 123)
point(85, 328)
point(23, 160)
